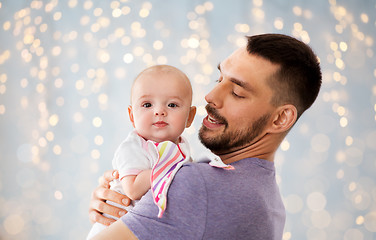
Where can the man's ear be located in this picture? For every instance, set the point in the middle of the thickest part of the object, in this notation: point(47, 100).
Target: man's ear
point(284, 118)
point(191, 116)
point(130, 113)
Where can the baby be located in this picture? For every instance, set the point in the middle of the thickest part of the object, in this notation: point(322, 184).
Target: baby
point(149, 157)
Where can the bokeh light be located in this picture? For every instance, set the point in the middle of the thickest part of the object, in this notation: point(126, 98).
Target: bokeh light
point(66, 68)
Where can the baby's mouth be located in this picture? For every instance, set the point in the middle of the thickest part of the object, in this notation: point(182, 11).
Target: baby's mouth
point(160, 124)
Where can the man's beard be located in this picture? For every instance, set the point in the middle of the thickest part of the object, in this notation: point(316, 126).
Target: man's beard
point(228, 141)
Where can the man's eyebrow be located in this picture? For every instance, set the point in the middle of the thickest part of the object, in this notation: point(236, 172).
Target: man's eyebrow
point(242, 84)
point(238, 82)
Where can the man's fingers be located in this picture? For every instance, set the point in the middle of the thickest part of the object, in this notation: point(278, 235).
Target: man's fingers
point(111, 175)
point(107, 177)
point(107, 194)
point(94, 217)
point(98, 206)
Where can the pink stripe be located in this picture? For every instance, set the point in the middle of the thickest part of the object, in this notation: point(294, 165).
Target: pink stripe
point(161, 189)
point(155, 175)
point(129, 173)
point(155, 185)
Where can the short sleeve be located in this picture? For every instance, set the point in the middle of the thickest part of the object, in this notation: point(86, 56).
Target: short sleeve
point(185, 215)
point(130, 158)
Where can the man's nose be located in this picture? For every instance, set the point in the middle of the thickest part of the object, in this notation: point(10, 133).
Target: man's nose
point(216, 96)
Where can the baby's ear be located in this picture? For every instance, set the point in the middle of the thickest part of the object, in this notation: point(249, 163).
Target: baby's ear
point(191, 116)
point(130, 113)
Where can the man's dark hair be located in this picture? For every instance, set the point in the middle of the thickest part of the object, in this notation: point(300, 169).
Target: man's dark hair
point(298, 80)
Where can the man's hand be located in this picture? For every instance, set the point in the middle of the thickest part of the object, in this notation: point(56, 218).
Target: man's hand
point(98, 204)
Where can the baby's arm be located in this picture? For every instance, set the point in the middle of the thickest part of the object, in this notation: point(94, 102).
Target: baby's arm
point(135, 186)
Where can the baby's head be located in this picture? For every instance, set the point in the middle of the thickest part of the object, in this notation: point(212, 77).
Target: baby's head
point(161, 99)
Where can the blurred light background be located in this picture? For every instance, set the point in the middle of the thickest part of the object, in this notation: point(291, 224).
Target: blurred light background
point(65, 73)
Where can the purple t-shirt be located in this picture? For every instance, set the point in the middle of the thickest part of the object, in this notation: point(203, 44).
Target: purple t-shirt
point(205, 202)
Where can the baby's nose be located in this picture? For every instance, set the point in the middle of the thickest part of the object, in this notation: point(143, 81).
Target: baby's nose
point(160, 111)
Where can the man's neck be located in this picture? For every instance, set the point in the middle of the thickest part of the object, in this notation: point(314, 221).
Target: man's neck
point(264, 148)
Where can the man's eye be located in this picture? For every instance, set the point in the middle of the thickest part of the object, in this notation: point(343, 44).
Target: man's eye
point(172, 105)
point(146, 105)
point(236, 95)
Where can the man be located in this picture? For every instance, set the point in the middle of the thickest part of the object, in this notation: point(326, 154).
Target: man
point(262, 90)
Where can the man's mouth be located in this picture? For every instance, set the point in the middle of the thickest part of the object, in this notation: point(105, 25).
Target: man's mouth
point(213, 120)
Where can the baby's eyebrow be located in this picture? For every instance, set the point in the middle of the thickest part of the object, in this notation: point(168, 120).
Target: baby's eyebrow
point(170, 97)
point(144, 96)
point(176, 98)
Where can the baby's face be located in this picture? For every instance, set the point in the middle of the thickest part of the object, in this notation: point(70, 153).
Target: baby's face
point(161, 106)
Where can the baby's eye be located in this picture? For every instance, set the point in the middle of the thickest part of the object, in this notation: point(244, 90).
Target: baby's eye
point(146, 105)
point(172, 105)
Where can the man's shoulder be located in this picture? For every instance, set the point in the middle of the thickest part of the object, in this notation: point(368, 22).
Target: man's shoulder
point(191, 175)
point(200, 175)
point(196, 168)
point(190, 169)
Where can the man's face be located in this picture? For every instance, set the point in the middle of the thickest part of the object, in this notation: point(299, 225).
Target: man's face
point(239, 106)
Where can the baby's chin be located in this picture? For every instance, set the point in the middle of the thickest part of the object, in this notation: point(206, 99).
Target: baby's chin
point(159, 140)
